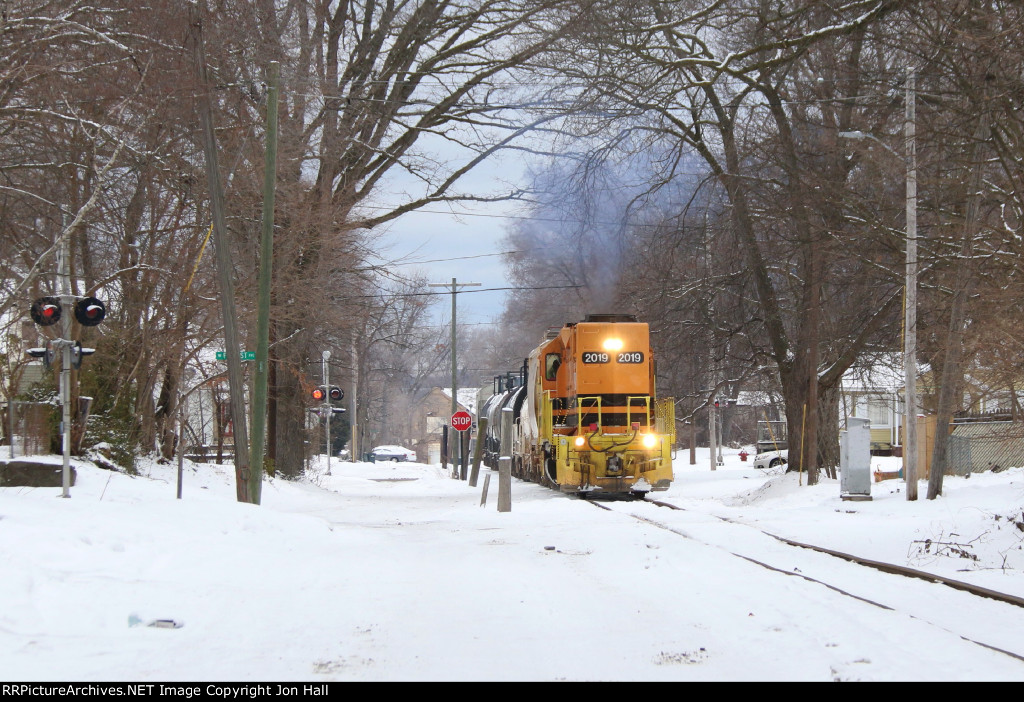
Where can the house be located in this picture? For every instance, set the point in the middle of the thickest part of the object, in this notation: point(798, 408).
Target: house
point(874, 391)
point(433, 412)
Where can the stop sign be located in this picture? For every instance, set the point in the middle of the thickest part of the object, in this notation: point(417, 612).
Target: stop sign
point(462, 420)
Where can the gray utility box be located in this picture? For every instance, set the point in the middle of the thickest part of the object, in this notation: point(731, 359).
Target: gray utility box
point(855, 460)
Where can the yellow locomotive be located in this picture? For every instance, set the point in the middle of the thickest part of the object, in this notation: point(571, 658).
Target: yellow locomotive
point(583, 416)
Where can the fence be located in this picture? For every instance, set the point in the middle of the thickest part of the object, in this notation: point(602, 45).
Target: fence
point(27, 429)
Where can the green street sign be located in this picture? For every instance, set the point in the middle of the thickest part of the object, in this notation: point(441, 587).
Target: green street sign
point(244, 355)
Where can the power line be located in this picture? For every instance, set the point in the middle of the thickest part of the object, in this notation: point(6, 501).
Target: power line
point(461, 292)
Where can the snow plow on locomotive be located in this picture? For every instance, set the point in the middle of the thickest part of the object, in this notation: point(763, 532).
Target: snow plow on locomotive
point(582, 413)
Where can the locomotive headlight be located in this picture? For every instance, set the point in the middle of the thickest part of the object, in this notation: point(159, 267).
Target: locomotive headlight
point(650, 441)
point(612, 344)
point(580, 440)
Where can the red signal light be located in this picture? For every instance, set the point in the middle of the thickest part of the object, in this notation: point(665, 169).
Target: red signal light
point(46, 311)
point(89, 311)
point(318, 393)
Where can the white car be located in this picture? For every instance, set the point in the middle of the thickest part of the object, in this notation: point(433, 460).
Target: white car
point(393, 453)
point(771, 459)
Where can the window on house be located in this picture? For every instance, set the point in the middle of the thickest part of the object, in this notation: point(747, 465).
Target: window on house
point(878, 411)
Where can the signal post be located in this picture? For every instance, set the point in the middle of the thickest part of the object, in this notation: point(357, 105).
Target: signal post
point(47, 311)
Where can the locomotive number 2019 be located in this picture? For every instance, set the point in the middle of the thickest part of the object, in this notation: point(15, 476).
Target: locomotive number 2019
point(623, 357)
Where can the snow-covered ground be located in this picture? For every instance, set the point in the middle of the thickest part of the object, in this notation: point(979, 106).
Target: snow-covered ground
point(396, 572)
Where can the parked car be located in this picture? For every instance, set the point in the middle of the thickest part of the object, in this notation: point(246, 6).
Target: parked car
point(771, 459)
point(393, 453)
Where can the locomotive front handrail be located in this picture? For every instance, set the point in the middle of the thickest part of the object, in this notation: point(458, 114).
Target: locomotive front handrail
point(596, 399)
point(646, 410)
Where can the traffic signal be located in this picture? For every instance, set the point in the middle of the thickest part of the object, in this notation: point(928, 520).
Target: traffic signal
point(319, 393)
point(89, 311)
point(46, 311)
point(336, 393)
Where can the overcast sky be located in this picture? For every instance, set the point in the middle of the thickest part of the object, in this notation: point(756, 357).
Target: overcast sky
point(466, 246)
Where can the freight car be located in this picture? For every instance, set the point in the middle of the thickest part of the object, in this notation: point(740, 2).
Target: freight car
point(582, 415)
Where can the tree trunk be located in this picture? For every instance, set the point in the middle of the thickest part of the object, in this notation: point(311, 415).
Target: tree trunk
point(952, 369)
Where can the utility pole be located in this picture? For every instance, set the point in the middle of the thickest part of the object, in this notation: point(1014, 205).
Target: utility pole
point(259, 382)
point(910, 292)
point(454, 286)
point(223, 258)
point(353, 442)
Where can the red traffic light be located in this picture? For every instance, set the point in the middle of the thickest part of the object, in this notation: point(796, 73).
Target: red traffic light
point(46, 311)
point(89, 311)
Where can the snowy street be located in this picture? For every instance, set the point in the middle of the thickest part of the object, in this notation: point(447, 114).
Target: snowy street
point(386, 572)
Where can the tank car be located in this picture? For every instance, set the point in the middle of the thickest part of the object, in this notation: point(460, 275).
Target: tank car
point(584, 417)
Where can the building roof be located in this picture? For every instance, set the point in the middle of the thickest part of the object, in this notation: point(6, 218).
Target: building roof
point(467, 397)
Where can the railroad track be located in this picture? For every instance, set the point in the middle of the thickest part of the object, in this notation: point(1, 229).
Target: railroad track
point(816, 564)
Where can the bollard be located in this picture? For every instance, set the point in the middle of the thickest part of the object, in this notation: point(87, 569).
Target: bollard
point(505, 484)
point(505, 462)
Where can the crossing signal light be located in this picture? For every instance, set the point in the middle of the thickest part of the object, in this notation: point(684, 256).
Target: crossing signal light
point(46, 311)
point(78, 353)
point(89, 311)
point(336, 393)
point(319, 393)
point(47, 354)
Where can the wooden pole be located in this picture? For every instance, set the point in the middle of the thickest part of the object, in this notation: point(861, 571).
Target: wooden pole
point(481, 432)
point(259, 382)
point(223, 258)
point(483, 493)
point(910, 292)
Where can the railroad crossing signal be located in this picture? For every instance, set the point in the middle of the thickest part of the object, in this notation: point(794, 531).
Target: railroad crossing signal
point(325, 396)
point(322, 393)
point(48, 354)
point(462, 420)
point(78, 353)
point(89, 311)
point(46, 311)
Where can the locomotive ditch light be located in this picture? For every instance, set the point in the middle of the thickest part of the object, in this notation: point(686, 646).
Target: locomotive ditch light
point(613, 344)
point(580, 440)
point(650, 441)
